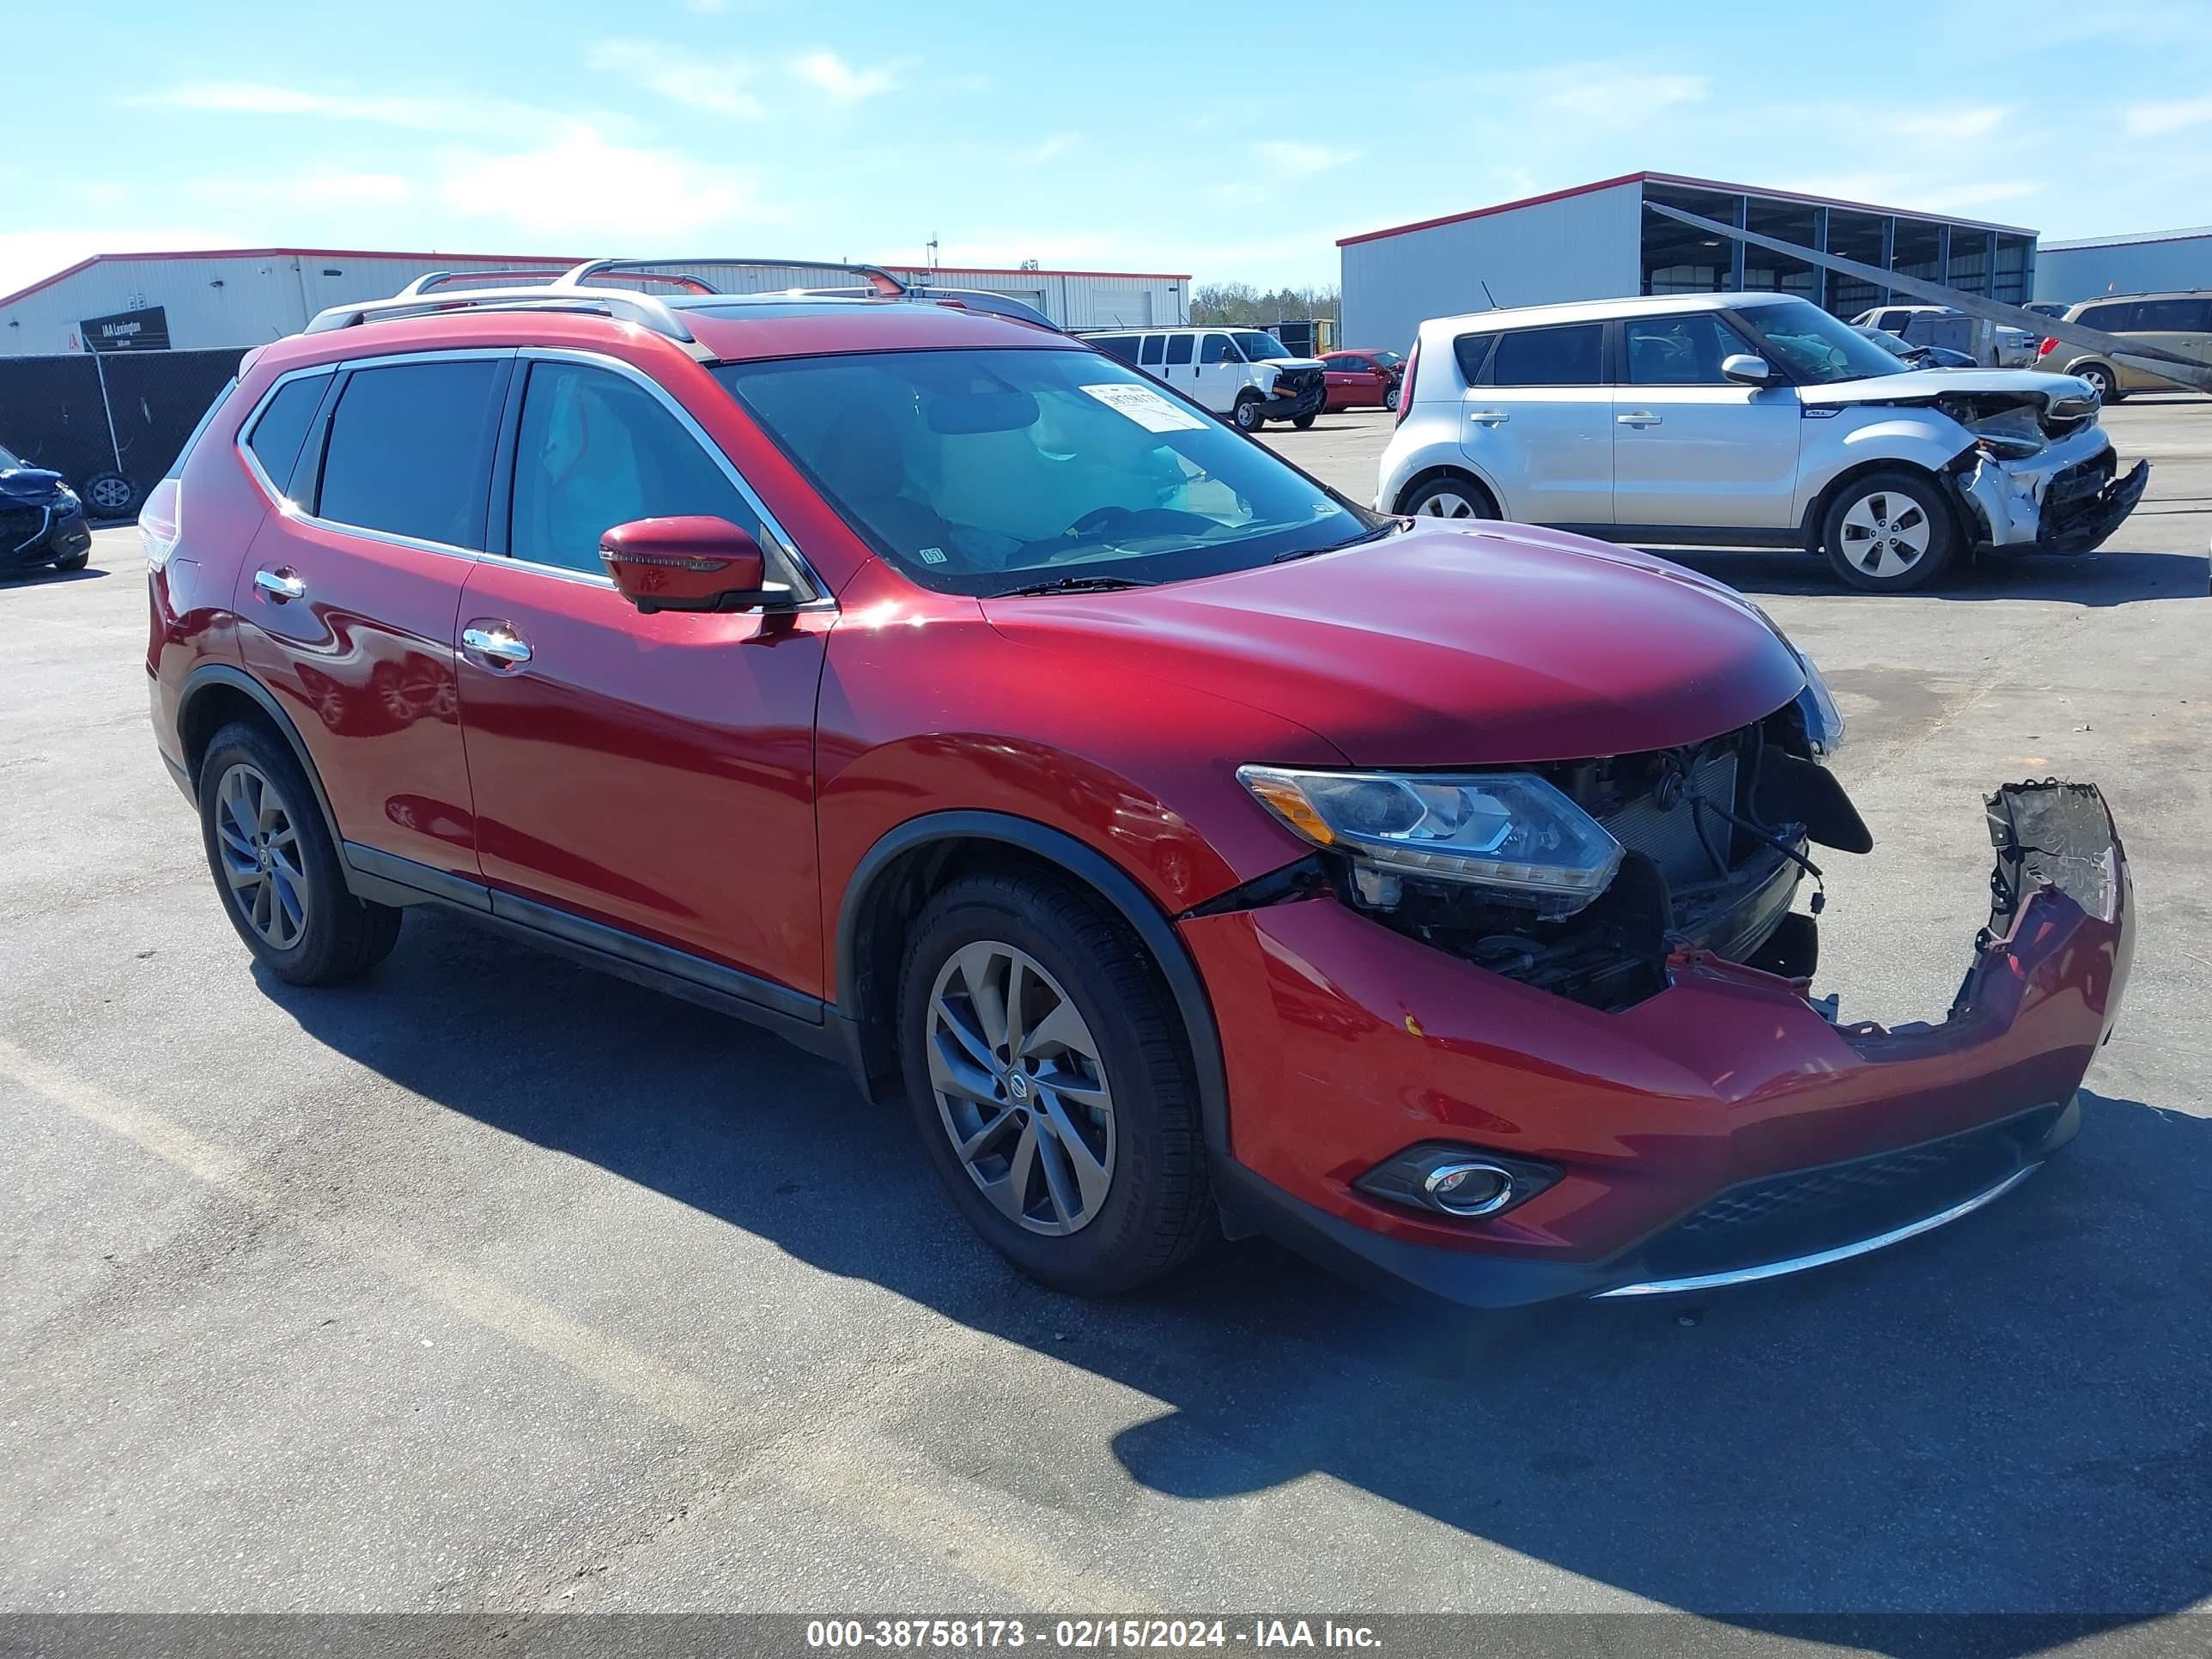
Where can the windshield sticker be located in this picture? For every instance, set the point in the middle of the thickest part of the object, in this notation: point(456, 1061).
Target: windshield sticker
point(1145, 407)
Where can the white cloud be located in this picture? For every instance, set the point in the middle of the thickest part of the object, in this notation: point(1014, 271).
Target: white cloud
point(1059, 144)
point(1957, 198)
point(1955, 126)
point(1295, 159)
point(307, 190)
point(26, 256)
point(2149, 121)
point(682, 77)
point(1608, 93)
point(583, 185)
point(842, 83)
point(256, 97)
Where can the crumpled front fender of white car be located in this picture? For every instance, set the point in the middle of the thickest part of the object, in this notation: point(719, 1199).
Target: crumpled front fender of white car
point(1832, 445)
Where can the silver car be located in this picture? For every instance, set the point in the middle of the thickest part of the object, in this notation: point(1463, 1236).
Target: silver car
point(1748, 420)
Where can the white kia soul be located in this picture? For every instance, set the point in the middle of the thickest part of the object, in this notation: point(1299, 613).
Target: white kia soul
point(1748, 420)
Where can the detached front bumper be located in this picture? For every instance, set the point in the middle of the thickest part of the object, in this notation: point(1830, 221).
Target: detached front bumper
point(1289, 406)
point(2068, 498)
point(1725, 1129)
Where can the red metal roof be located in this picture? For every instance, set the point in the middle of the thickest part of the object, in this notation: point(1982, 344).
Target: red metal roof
point(561, 260)
point(1688, 182)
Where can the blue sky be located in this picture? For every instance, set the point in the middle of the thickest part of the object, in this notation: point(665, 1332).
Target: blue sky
point(1234, 142)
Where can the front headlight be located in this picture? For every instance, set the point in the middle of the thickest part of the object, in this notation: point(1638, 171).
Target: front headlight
point(1510, 831)
point(1816, 704)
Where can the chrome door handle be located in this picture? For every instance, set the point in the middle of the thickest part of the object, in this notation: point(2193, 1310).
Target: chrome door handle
point(498, 642)
point(1488, 416)
point(279, 585)
point(1640, 418)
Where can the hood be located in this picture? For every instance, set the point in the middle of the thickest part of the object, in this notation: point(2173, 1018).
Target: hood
point(34, 484)
point(2052, 390)
point(1447, 647)
point(1290, 362)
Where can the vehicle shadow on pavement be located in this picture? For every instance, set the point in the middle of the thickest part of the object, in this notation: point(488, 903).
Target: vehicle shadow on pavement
point(2094, 579)
point(46, 576)
point(2010, 1415)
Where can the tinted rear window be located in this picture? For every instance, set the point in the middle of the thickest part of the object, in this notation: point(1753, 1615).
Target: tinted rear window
point(1179, 348)
point(1549, 356)
point(410, 451)
point(276, 436)
point(1120, 346)
point(1472, 350)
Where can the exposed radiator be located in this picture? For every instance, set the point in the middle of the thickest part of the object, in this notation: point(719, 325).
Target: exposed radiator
point(1668, 836)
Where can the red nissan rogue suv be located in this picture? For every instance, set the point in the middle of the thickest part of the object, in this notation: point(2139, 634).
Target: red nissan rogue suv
point(1194, 850)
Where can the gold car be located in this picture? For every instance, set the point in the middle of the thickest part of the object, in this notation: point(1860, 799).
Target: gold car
point(2179, 323)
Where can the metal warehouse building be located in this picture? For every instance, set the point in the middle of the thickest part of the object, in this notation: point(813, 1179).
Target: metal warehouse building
point(2150, 261)
point(1599, 241)
point(244, 297)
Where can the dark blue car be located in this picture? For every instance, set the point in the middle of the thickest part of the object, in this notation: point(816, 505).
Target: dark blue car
point(41, 521)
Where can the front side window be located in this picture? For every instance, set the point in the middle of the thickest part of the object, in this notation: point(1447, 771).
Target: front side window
point(1260, 346)
point(1815, 347)
point(1550, 356)
point(595, 450)
point(282, 427)
point(1683, 350)
point(410, 451)
point(982, 472)
point(1216, 349)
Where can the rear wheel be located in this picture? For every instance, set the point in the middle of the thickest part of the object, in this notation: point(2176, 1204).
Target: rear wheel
point(1889, 531)
point(1048, 1082)
point(1447, 496)
point(276, 869)
point(1302, 421)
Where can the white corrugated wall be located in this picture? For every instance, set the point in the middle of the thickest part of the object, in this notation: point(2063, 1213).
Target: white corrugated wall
point(246, 300)
point(2180, 262)
point(1585, 246)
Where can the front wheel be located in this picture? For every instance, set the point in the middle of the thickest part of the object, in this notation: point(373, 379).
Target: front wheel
point(76, 560)
point(1302, 421)
point(276, 868)
point(1246, 415)
point(1047, 1074)
point(1889, 532)
point(2103, 380)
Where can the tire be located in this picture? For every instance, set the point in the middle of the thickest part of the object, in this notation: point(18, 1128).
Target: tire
point(1246, 412)
point(1127, 1199)
point(1447, 496)
point(1390, 400)
point(1889, 531)
point(2104, 379)
point(109, 495)
point(290, 906)
point(1302, 422)
point(76, 560)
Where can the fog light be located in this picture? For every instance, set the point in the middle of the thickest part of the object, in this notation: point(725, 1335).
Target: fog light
point(1469, 1189)
point(1463, 1182)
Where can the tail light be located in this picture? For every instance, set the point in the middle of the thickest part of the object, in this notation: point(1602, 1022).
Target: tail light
point(2047, 348)
point(158, 527)
point(1405, 383)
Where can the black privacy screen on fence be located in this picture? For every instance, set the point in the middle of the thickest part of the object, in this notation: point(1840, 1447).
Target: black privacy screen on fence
point(54, 413)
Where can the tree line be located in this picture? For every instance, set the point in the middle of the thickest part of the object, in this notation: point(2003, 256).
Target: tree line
point(1240, 304)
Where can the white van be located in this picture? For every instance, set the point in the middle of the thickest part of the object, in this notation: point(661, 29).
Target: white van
point(1245, 373)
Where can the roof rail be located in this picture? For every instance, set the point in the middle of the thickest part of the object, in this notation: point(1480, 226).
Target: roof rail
point(879, 279)
point(559, 295)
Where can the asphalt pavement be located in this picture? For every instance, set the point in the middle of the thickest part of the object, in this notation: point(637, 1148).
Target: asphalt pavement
point(493, 1285)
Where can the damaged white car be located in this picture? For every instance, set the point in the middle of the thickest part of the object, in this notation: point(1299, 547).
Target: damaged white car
point(1748, 420)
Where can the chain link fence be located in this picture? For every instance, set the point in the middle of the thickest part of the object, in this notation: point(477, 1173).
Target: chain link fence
point(110, 422)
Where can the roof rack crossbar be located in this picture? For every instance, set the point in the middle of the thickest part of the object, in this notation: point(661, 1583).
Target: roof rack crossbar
point(881, 280)
point(430, 279)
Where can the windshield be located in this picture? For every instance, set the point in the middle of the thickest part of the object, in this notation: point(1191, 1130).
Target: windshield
point(1389, 359)
point(1258, 345)
point(1896, 345)
point(984, 472)
point(1818, 349)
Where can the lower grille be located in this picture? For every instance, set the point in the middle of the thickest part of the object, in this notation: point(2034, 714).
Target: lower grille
point(2078, 483)
point(1840, 1184)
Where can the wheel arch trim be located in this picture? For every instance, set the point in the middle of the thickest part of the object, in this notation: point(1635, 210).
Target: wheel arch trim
point(209, 675)
point(1115, 886)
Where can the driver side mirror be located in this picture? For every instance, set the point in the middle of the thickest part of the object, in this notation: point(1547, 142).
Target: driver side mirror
point(1746, 369)
point(693, 563)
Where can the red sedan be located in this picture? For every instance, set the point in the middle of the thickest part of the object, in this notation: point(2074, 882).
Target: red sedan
point(1363, 379)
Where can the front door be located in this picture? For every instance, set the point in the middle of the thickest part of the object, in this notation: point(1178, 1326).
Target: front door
point(1220, 372)
point(1539, 425)
point(1690, 446)
point(346, 605)
point(653, 774)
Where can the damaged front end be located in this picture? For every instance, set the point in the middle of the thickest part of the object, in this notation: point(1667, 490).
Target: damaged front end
point(2040, 475)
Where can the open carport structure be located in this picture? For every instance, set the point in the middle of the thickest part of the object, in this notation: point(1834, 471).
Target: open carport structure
point(1600, 241)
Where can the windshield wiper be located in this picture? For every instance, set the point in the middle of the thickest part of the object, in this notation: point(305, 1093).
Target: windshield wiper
point(1074, 585)
point(1374, 535)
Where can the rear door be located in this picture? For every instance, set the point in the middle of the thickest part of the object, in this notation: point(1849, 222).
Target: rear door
point(1690, 446)
point(650, 774)
point(346, 604)
point(1539, 425)
point(1179, 369)
point(2177, 326)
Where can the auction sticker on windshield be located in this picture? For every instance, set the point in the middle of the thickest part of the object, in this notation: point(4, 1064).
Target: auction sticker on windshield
point(1145, 407)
